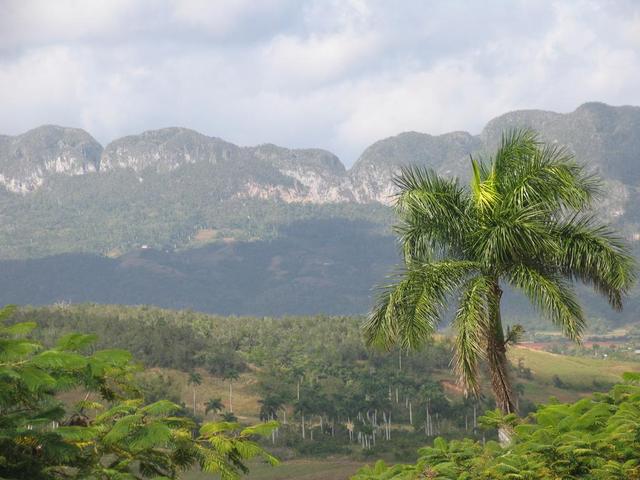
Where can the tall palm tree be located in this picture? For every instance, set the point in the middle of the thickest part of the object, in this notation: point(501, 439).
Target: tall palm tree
point(231, 375)
point(269, 407)
point(524, 221)
point(194, 380)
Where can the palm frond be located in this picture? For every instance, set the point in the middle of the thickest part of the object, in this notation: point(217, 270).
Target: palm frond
point(515, 145)
point(550, 177)
point(553, 296)
point(509, 235)
point(469, 324)
point(594, 254)
point(433, 212)
point(408, 311)
point(483, 186)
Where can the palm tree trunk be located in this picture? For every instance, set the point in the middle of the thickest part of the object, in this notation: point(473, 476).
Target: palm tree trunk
point(497, 356)
point(498, 363)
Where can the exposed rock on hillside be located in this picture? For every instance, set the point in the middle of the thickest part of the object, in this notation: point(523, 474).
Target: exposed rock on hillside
point(27, 160)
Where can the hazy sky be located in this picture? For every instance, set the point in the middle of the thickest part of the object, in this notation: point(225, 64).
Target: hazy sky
point(331, 74)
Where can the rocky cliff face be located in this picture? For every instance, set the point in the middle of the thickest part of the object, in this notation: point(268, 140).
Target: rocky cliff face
point(163, 151)
point(27, 160)
point(316, 176)
point(265, 172)
point(606, 138)
point(371, 175)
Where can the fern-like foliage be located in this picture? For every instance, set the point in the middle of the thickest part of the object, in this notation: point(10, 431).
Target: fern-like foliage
point(111, 433)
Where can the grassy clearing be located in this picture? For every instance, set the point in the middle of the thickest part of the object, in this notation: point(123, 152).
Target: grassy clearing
point(580, 375)
point(245, 401)
point(307, 469)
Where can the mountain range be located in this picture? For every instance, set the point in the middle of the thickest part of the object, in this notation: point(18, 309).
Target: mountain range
point(600, 135)
point(66, 199)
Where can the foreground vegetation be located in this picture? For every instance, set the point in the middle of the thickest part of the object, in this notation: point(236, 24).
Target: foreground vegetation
point(112, 432)
point(597, 438)
point(315, 369)
point(332, 365)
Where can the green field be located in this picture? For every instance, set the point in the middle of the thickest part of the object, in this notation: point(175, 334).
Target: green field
point(580, 375)
point(304, 469)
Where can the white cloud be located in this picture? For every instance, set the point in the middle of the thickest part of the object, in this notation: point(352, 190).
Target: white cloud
point(326, 73)
point(42, 22)
point(291, 61)
point(222, 17)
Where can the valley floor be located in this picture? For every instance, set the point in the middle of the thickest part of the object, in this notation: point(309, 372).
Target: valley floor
point(300, 469)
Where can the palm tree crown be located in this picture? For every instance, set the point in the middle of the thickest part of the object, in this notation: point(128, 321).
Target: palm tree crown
point(194, 379)
point(214, 405)
point(524, 221)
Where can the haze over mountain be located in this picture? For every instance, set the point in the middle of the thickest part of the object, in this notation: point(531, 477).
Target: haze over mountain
point(174, 190)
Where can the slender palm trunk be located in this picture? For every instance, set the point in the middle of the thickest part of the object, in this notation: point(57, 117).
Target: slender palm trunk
point(497, 356)
point(231, 397)
point(499, 365)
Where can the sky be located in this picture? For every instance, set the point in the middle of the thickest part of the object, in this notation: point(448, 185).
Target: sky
point(331, 74)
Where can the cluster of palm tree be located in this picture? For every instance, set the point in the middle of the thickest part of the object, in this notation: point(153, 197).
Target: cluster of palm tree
point(526, 222)
point(214, 405)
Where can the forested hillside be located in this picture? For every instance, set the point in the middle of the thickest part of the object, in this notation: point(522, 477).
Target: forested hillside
point(319, 266)
point(311, 267)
